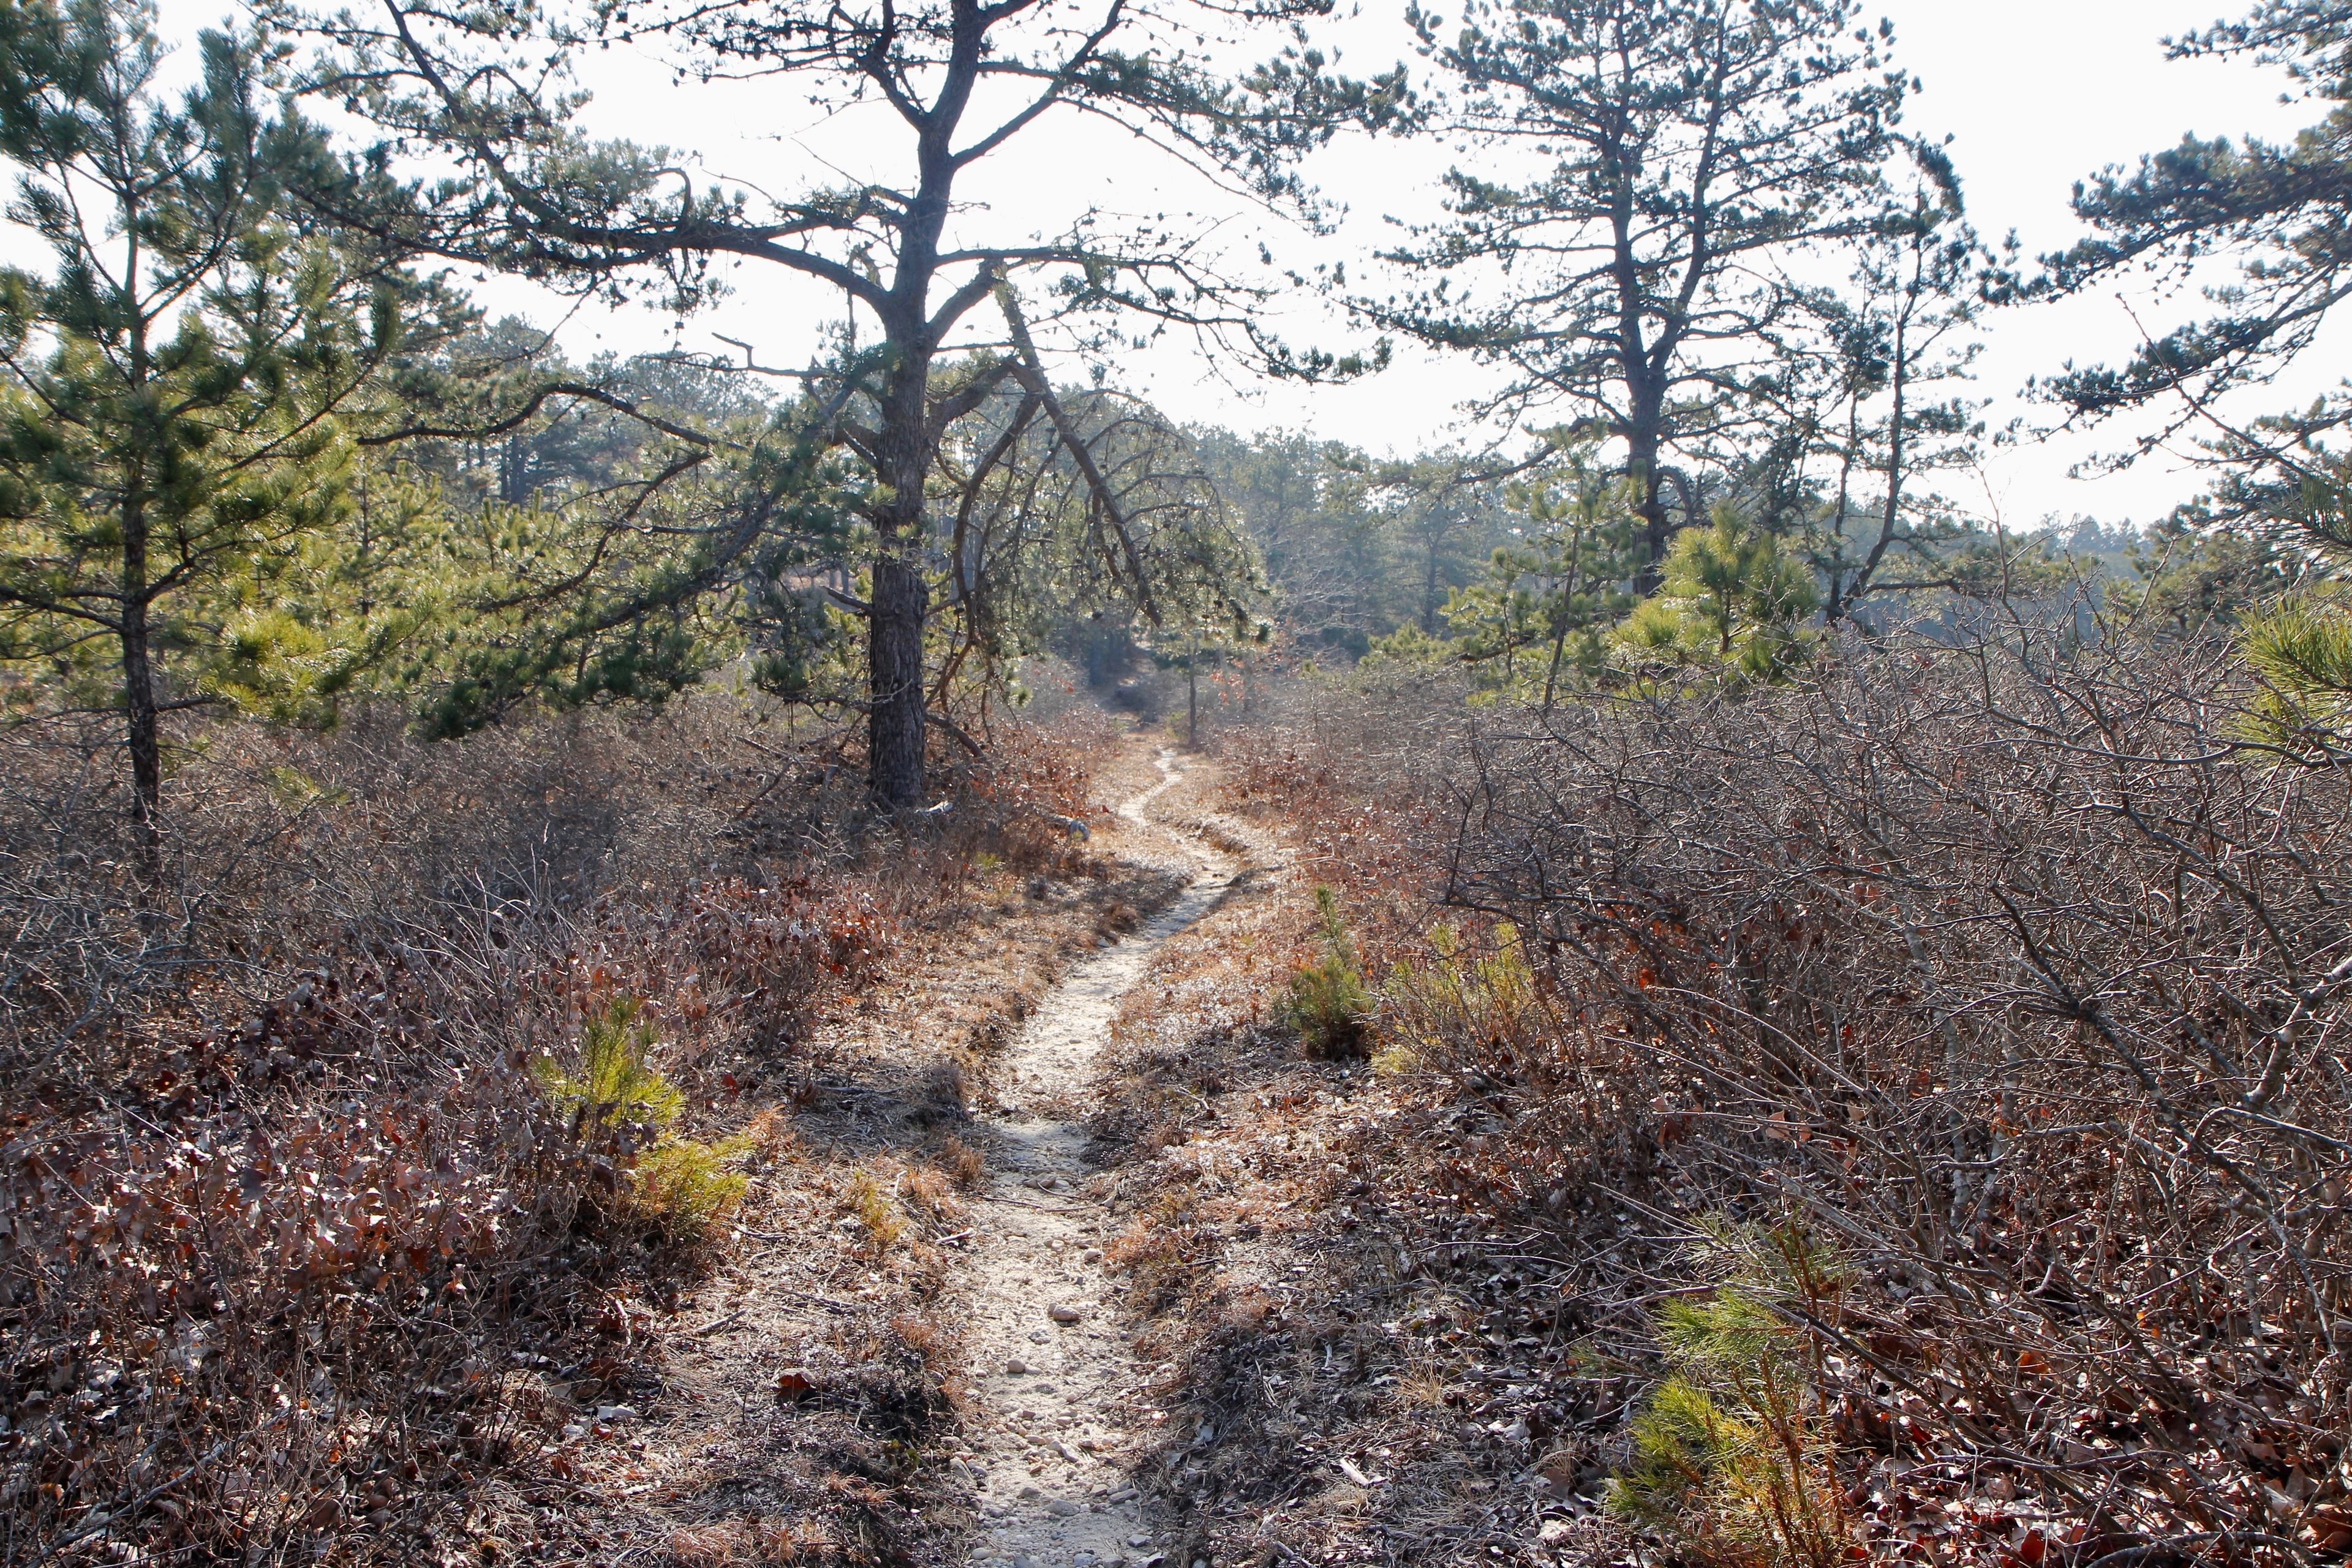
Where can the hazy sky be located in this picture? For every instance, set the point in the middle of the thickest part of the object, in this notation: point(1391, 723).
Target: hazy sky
point(2036, 93)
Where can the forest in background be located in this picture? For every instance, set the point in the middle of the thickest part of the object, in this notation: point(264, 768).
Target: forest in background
point(442, 776)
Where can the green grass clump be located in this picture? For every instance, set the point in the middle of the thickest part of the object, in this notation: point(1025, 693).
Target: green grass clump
point(1458, 1004)
point(876, 1211)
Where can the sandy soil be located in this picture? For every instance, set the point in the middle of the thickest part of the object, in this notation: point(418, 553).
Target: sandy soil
point(1054, 1418)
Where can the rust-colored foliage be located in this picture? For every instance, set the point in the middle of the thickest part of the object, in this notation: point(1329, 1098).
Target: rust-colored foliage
point(298, 1254)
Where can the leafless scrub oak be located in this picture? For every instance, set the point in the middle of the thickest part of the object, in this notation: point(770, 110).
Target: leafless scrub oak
point(1071, 512)
point(2008, 972)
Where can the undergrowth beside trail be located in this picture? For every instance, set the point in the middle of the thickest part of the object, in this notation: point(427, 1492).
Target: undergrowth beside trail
point(2002, 974)
point(347, 1177)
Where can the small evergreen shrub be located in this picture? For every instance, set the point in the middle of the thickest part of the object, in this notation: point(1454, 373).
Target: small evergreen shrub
point(1731, 601)
point(683, 1185)
point(1728, 1452)
point(1330, 1004)
point(616, 1084)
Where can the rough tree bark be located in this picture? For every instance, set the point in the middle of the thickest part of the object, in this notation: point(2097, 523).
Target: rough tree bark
point(142, 736)
point(900, 608)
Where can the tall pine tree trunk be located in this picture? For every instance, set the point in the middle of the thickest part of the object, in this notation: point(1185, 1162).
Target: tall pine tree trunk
point(900, 606)
point(1892, 517)
point(901, 599)
point(895, 677)
point(142, 731)
point(1657, 525)
point(1192, 694)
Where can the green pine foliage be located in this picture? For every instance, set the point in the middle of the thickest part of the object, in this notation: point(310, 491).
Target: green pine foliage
point(1456, 1001)
point(685, 1187)
point(618, 1099)
point(614, 1082)
point(1328, 1004)
point(1729, 1450)
point(1732, 602)
point(616, 540)
point(1537, 624)
point(181, 385)
point(2300, 648)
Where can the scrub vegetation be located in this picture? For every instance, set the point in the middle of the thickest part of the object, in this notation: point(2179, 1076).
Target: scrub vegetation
point(1687, 993)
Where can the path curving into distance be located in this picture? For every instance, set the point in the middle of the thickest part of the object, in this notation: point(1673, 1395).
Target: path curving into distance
point(1053, 1418)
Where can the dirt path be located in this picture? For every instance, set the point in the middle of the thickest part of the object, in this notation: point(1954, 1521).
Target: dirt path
point(1054, 1419)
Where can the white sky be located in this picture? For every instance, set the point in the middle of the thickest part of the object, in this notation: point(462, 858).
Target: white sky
point(2037, 94)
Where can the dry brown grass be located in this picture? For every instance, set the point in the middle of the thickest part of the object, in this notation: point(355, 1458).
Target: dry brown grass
point(930, 1194)
point(761, 1543)
point(966, 1166)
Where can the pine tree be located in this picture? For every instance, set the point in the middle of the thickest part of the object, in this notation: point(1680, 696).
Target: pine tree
point(1688, 149)
point(1552, 595)
point(2277, 210)
point(1901, 333)
point(177, 390)
point(1731, 601)
point(907, 254)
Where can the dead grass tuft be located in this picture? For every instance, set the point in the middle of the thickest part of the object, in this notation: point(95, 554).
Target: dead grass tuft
point(926, 1340)
point(965, 1166)
point(754, 1543)
point(930, 1194)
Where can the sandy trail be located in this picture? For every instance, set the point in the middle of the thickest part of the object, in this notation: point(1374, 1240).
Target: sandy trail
point(1054, 1418)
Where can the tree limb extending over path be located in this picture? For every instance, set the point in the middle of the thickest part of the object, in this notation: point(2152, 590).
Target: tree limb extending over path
point(484, 90)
